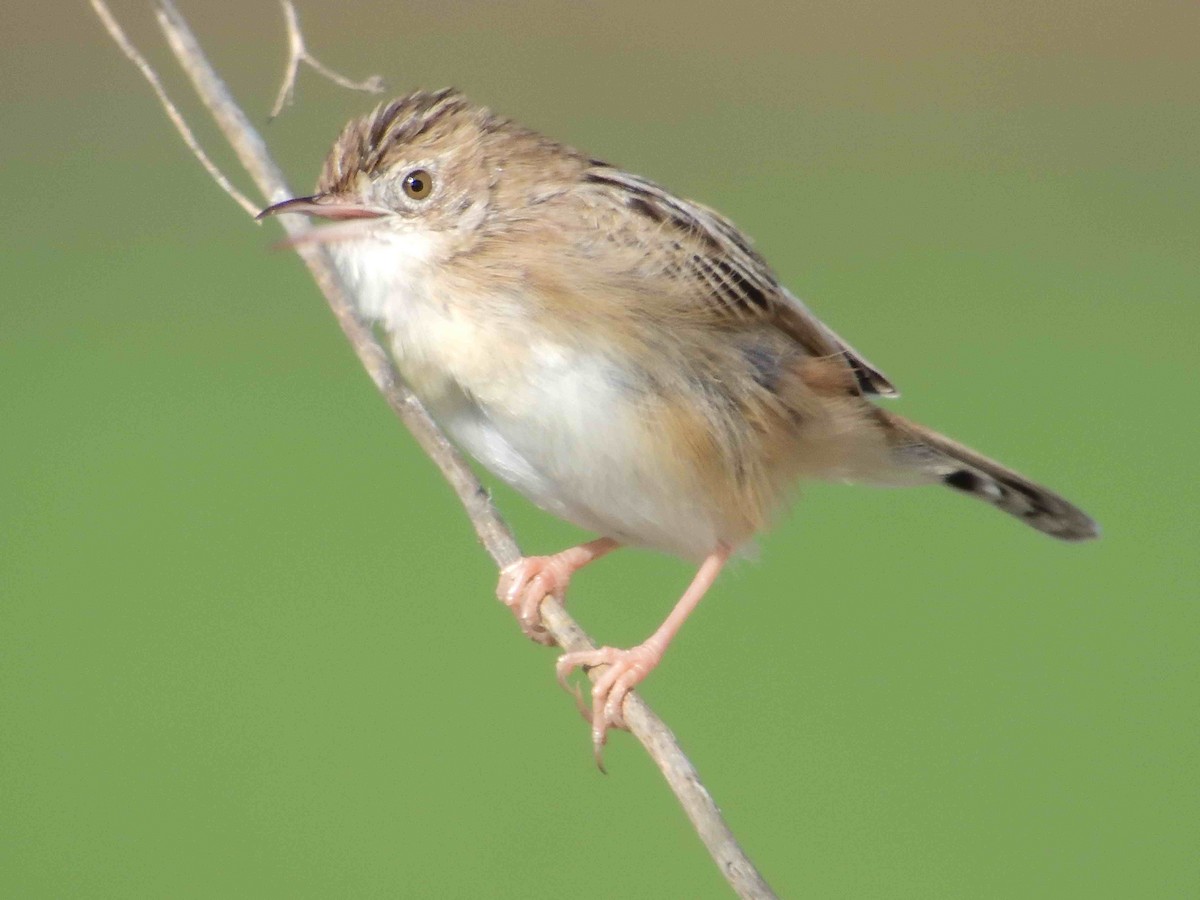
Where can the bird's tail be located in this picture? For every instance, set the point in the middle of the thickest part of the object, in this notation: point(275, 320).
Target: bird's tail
point(937, 457)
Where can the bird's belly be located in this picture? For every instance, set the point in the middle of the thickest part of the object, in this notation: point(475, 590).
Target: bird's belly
point(565, 429)
point(556, 419)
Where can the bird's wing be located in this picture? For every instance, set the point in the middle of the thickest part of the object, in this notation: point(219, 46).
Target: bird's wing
point(709, 251)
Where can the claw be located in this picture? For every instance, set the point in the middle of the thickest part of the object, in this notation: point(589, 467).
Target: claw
point(522, 588)
point(560, 675)
point(523, 585)
point(627, 668)
point(624, 670)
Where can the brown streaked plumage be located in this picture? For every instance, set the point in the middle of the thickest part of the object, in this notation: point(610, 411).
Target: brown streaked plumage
point(622, 356)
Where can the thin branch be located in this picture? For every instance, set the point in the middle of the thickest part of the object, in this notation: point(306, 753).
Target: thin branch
point(298, 53)
point(491, 529)
point(114, 31)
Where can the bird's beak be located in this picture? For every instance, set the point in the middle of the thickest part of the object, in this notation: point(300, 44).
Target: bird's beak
point(324, 206)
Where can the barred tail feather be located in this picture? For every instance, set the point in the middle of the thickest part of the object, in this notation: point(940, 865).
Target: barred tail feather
point(968, 472)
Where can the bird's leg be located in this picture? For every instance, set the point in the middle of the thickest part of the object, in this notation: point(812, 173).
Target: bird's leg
point(628, 667)
point(530, 580)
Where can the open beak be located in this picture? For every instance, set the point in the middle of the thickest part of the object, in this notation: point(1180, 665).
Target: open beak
point(324, 206)
point(351, 215)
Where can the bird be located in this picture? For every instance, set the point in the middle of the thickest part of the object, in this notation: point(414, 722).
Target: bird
point(621, 356)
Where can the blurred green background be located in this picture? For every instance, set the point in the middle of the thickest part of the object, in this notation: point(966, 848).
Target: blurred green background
point(248, 645)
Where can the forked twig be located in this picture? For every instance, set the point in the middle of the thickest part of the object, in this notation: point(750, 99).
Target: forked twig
point(491, 529)
point(298, 53)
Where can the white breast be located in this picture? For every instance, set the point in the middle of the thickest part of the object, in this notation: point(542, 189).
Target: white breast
point(388, 273)
point(554, 421)
point(393, 279)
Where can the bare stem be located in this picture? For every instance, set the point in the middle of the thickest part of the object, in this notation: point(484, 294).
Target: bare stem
point(491, 529)
point(298, 53)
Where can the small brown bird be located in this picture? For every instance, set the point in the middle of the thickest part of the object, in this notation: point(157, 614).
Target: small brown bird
point(621, 356)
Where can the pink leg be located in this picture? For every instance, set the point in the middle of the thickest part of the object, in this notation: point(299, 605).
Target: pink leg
point(530, 580)
point(626, 668)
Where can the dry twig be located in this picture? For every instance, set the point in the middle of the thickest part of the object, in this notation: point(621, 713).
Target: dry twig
point(298, 53)
point(491, 529)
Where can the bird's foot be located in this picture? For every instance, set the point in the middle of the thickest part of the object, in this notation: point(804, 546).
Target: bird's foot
point(525, 584)
point(530, 580)
point(626, 668)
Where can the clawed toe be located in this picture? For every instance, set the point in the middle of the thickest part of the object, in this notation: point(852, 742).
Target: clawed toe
point(522, 588)
point(526, 583)
point(625, 669)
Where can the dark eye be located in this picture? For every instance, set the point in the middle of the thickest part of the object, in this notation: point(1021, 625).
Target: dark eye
point(418, 183)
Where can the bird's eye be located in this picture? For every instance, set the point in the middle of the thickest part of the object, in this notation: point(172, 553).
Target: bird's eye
point(418, 183)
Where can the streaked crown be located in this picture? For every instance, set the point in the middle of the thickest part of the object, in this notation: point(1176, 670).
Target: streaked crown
point(428, 126)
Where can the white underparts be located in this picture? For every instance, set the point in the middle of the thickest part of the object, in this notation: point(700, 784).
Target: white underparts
point(556, 422)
